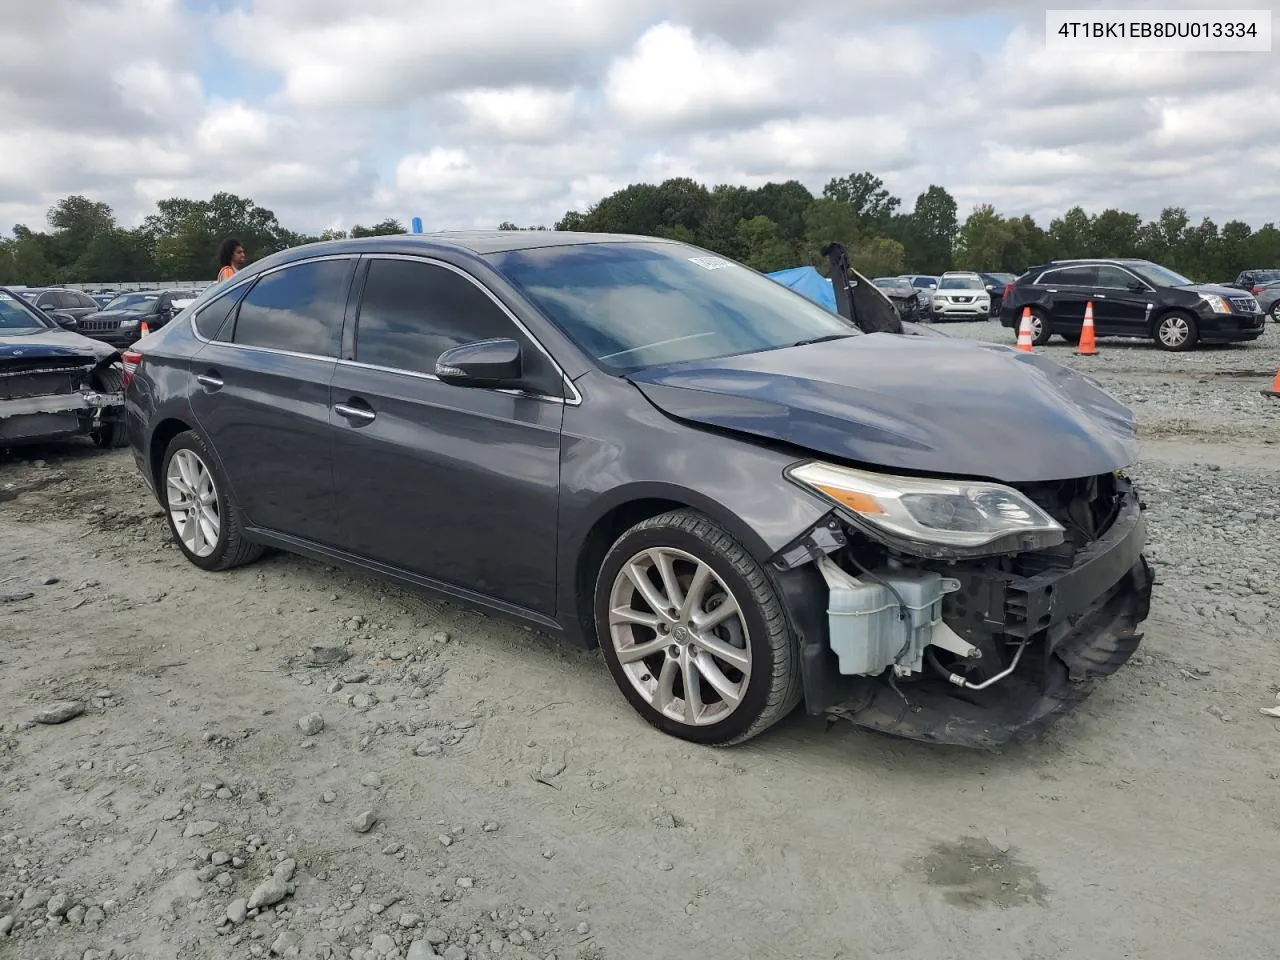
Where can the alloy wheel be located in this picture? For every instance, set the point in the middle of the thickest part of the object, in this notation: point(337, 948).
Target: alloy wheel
point(680, 636)
point(1174, 331)
point(193, 503)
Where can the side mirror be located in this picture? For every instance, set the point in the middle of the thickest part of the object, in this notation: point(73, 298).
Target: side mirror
point(1136, 286)
point(482, 363)
point(64, 321)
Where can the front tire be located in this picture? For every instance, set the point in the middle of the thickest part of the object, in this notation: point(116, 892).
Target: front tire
point(202, 517)
point(693, 631)
point(1176, 331)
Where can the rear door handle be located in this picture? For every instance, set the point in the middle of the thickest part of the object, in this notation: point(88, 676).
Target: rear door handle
point(361, 414)
point(210, 379)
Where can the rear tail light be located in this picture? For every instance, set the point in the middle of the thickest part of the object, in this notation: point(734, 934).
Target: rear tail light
point(132, 361)
point(1008, 291)
point(1256, 290)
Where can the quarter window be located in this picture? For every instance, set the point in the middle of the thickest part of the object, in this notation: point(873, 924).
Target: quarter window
point(412, 311)
point(211, 321)
point(299, 308)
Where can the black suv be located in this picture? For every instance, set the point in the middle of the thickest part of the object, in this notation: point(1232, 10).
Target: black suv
point(119, 323)
point(1131, 298)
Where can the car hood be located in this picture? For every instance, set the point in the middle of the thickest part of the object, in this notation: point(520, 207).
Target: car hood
point(51, 343)
point(1217, 289)
point(114, 315)
point(940, 406)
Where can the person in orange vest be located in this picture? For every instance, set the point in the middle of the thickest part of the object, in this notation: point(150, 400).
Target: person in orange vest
point(231, 257)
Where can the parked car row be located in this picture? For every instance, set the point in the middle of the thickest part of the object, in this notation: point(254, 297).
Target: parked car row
point(117, 322)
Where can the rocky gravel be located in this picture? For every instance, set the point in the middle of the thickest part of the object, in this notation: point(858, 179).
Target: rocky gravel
point(291, 760)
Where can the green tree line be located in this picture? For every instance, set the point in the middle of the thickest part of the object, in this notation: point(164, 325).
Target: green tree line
point(179, 241)
point(781, 225)
point(769, 227)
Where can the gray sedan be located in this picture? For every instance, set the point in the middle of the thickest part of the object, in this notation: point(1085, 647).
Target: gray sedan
point(745, 501)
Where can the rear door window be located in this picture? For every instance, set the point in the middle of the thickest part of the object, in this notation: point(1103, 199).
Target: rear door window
point(297, 309)
point(1071, 277)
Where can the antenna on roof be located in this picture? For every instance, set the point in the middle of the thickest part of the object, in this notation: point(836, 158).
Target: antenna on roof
point(415, 225)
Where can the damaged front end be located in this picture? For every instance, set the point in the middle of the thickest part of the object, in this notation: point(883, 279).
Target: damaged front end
point(963, 612)
point(54, 398)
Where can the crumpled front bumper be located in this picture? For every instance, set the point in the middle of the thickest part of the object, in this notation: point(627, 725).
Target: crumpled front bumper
point(1080, 625)
point(53, 416)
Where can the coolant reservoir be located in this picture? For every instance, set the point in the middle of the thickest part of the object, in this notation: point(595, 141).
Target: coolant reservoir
point(865, 617)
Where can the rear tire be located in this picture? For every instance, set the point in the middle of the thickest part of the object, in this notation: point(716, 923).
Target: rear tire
point(203, 519)
point(1041, 328)
point(744, 665)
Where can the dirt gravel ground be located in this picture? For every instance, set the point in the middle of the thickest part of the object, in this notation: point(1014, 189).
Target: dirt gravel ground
point(464, 788)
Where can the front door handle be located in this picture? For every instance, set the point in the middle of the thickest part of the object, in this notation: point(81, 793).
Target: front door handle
point(361, 414)
point(210, 380)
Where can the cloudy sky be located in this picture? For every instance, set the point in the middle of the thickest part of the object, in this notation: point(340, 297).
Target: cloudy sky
point(332, 112)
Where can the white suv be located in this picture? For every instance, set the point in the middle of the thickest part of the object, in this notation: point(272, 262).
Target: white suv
point(961, 296)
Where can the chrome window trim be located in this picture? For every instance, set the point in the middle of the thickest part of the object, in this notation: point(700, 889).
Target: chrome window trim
point(418, 375)
point(574, 398)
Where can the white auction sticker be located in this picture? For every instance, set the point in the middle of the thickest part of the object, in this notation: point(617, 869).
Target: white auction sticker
point(709, 263)
point(1125, 31)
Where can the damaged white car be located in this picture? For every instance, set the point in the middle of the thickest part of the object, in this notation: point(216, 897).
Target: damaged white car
point(54, 384)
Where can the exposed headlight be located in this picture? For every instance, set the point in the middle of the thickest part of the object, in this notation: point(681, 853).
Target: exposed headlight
point(934, 517)
point(1216, 303)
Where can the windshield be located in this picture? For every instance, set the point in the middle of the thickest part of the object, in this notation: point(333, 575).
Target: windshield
point(636, 305)
point(133, 302)
point(960, 283)
point(1158, 276)
point(16, 316)
point(1266, 276)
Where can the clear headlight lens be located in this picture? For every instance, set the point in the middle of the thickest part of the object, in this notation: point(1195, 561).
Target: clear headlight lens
point(970, 516)
point(1216, 303)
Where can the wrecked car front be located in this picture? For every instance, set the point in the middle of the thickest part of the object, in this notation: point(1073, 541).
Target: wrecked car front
point(979, 563)
point(54, 384)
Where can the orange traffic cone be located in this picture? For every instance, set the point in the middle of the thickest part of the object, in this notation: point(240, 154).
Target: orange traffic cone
point(1087, 346)
point(144, 329)
point(1024, 331)
point(1274, 392)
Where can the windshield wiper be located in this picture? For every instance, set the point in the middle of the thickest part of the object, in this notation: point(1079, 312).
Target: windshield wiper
point(829, 336)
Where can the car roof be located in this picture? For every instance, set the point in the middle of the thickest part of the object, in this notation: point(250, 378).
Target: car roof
point(482, 242)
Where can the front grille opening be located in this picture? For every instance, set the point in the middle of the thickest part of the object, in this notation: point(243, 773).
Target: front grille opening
point(1085, 506)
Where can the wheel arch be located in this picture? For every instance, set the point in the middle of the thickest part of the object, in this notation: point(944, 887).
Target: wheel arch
point(161, 437)
point(613, 518)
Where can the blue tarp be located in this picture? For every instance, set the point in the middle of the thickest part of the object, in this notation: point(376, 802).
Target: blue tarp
point(808, 282)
